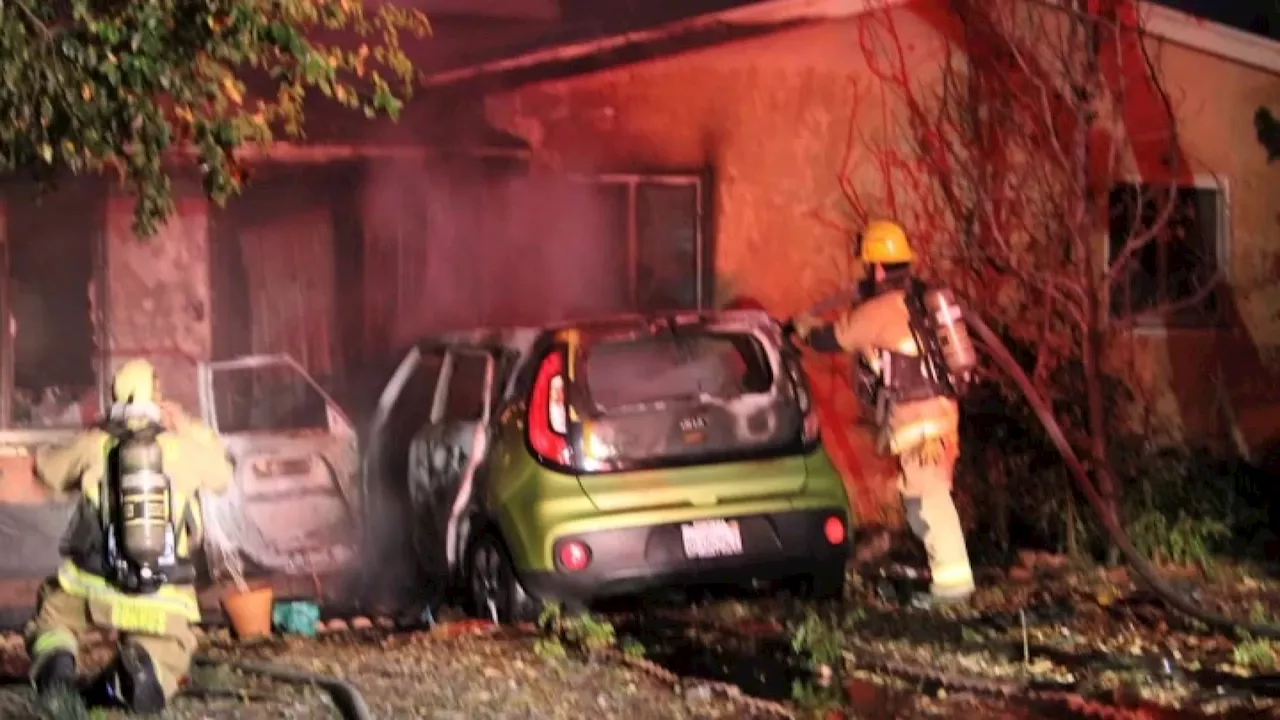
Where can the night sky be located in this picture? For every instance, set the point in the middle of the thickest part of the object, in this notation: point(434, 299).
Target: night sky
point(1257, 16)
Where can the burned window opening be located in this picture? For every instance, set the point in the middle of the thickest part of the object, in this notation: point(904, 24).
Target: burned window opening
point(281, 267)
point(49, 248)
point(268, 398)
point(1167, 273)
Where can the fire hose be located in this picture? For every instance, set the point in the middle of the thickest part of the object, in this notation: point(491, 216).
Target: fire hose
point(348, 700)
point(1145, 570)
point(1058, 693)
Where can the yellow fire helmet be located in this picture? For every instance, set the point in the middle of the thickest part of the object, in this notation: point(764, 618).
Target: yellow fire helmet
point(135, 382)
point(884, 242)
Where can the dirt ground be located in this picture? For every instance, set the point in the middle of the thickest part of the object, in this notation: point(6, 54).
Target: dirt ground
point(422, 675)
point(1044, 640)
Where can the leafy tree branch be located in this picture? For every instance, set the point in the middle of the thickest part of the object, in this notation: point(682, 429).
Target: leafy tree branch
point(123, 87)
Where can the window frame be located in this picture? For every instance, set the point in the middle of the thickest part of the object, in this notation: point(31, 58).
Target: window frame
point(1157, 324)
point(703, 260)
point(425, 357)
point(444, 385)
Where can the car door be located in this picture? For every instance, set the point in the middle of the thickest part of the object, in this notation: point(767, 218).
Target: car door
point(445, 455)
point(403, 412)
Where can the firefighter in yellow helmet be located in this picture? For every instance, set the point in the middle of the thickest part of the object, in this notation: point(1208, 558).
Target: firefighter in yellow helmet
point(914, 356)
point(127, 552)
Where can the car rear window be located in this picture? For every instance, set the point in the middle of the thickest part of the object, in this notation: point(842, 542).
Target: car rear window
point(684, 366)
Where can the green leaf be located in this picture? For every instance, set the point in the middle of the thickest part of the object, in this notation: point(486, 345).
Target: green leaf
point(114, 92)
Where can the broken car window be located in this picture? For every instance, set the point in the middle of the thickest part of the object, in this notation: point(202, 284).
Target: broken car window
point(465, 402)
point(652, 369)
point(267, 398)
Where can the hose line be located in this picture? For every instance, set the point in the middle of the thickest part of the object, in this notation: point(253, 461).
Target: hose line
point(345, 696)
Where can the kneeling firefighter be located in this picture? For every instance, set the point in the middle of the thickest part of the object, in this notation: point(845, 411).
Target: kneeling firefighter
point(914, 357)
point(126, 554)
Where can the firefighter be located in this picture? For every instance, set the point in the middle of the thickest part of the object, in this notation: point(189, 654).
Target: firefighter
point(911, 369)
point(126, 554)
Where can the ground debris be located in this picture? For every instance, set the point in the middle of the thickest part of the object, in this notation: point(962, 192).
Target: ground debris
point(423, 675)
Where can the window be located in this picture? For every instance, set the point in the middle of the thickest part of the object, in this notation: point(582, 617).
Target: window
point(624, 373)
point(412, 409)
point(47, 251)
point(465, 401)
point(270, 397)
point(1166, 280)
point(658, 220)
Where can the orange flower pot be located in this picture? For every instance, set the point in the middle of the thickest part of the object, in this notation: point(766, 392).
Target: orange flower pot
point(249, 611)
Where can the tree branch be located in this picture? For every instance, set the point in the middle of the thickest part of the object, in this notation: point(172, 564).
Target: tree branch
point(34, 19)
point(1131, 320)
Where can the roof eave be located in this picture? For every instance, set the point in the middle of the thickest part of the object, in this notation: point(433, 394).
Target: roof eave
point(1171, 25)
point(770, 13)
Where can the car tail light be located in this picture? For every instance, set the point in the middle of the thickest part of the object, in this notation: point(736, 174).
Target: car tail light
point(574, 555)
point(834, 530)
point(548, 411)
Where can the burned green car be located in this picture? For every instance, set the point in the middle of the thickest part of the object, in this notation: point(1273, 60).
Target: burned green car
point(613, 457)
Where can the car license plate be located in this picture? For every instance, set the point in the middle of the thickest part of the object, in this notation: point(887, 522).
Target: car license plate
point(711, 538)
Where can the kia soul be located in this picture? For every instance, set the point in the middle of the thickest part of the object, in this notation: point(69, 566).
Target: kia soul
point(612, 457)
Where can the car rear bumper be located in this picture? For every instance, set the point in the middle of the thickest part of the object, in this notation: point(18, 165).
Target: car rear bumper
point(624, 561)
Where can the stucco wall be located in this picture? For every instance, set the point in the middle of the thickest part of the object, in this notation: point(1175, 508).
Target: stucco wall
point(771, 118)
point(157, 295)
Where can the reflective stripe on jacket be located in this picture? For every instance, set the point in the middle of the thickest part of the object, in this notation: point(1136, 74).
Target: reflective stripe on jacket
point(177, 600)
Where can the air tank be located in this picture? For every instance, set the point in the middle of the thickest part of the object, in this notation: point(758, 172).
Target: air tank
point(144, 501)
point(953, 335)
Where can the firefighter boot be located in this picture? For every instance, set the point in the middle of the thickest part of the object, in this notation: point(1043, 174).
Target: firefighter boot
point(57, 672)
point(56, 685)
point(130, 682)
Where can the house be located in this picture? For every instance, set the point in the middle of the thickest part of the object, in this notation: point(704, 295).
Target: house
point(749, 106)
point(558, 164)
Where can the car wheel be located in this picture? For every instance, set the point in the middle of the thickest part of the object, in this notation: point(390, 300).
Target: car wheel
point(494, 591)
point(823, 585)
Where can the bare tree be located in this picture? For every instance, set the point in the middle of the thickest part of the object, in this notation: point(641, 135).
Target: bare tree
point(1006, 144)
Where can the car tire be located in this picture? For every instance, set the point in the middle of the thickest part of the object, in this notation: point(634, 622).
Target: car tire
point(493, 590)
point(824, 585)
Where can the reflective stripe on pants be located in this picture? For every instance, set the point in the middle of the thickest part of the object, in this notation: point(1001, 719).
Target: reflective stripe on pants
point(931, 513)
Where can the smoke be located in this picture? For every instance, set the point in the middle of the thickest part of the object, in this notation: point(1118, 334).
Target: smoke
point(455, 244)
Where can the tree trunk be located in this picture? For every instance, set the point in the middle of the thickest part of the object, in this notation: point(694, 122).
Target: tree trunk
point(1100, 464)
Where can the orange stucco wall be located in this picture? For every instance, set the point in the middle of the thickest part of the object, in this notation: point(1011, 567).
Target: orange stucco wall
point(1215, 101)
point(771, 118)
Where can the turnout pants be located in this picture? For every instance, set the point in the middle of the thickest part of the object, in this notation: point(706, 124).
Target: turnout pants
point(62, 620)
point(927, 472)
